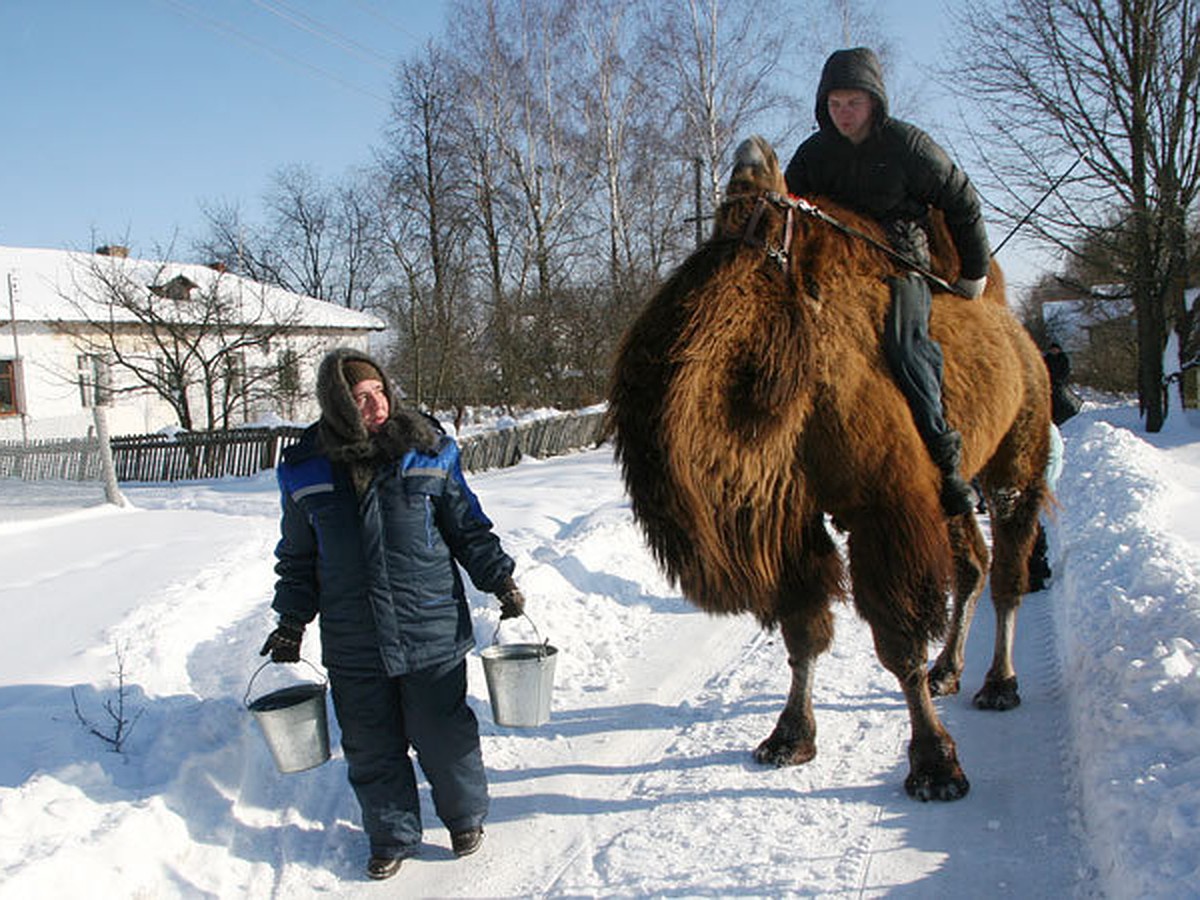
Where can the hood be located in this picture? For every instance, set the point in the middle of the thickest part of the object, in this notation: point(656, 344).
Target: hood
point(854, 69)
point(340, 419)
point(341, 432)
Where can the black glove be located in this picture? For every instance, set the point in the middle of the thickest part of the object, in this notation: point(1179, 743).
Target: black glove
point(284, 642)
point(512, 601)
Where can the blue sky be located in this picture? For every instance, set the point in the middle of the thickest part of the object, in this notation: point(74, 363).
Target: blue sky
point(121, 117)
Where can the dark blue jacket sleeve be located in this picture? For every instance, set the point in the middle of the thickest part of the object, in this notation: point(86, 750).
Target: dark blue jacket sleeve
point(468, 532)
point(296, 564)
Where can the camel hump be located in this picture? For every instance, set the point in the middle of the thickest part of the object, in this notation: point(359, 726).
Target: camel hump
point(755, 167)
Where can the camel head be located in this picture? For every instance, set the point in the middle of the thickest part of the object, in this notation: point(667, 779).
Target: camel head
point(755, 168)
point(755, 172)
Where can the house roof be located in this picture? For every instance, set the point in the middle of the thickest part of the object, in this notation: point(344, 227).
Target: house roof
point(61, 286)
point(1069, 320)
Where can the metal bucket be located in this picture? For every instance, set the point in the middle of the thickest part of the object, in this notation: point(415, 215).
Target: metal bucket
point(520, 680)
point(294, 722)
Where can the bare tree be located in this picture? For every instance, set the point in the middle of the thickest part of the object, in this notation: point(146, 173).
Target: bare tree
point(519, 62)
point(643, 208)
point(484, 64)
point(175, 338)
point(317, 240)
point(121, 718)
point(426, 229)
point(358, 240)
point(1113, 85)
point(718, 59)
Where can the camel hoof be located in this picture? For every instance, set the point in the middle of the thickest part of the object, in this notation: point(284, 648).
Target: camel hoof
point(943, 682)
point(934, 772)
point(998, 695)
point(926, 787)
point(779, 752)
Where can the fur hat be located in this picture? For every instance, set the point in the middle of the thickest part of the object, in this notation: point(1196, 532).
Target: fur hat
point(357, 370)
point(856, 69)
point(343, 435)
point(341, 422)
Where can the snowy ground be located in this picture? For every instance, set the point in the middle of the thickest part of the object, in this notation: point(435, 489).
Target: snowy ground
point(642, 783)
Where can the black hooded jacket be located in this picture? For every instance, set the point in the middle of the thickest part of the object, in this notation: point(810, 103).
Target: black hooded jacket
point(895, 175)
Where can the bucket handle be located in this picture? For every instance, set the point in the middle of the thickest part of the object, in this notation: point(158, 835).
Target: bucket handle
point(246, 698)
point(542, 644)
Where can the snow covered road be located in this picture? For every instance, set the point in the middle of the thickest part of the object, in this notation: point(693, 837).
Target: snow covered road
point(641, 784)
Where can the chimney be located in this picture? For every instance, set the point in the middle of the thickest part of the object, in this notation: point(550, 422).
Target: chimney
point(113, 250)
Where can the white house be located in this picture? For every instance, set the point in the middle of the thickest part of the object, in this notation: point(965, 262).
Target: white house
point(77, 328)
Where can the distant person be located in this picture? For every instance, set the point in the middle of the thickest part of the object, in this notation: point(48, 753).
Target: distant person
point(894, 172)
point(377, 519)
point(1064, 402)
point(1039, 561)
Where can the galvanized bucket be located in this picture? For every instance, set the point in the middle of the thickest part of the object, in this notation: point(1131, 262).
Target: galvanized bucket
point(293, 721)
point(520, 680)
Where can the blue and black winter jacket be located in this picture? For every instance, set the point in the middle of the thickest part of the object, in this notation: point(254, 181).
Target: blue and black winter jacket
point(382, 570)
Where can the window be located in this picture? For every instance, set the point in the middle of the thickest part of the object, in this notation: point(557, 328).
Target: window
point(169, 375)
point(288, 373)
point(235, 373)
point(10, 387)
point(95, 380)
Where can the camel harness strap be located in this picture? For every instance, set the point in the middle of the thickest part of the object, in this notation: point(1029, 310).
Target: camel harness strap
point(750, 236)
point(809, 209)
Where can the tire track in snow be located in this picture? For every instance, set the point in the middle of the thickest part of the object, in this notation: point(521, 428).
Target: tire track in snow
point(760, 831)
point(643, 783)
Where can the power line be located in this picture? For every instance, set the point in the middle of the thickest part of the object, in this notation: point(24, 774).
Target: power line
point(321, 31)
point(225, 28)
point(371, 10)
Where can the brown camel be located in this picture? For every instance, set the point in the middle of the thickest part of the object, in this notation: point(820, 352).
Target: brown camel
point(751, 403)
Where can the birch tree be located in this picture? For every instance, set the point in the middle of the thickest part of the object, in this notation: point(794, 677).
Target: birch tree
point(427, 229)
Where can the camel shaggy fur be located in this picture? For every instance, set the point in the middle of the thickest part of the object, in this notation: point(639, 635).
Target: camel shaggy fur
point(751, 406)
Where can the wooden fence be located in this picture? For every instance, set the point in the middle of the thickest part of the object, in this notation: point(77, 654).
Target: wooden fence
point(540, 438)
point(246, 451)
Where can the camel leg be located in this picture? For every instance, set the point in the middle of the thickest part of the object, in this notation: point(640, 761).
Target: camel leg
point(810, 581)
point(934, 772)
point(999, 691)
point(970, 566)
point(794, 738)
point(899, 591)
point(1014, 529)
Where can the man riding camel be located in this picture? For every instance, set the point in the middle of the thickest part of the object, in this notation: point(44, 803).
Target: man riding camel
point(894, 172)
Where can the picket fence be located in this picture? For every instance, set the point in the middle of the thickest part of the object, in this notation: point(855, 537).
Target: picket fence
point(246, 451)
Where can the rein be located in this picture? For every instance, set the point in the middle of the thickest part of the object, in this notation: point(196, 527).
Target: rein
point(798, 204)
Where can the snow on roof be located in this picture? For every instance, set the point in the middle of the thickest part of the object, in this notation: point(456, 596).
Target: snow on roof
point(61, 286)
point(1069, 320)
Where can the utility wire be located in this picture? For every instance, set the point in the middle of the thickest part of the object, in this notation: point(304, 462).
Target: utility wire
point(224, 27)
point(371, 10)
point(321, 31)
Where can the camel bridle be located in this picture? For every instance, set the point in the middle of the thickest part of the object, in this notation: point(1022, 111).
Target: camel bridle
point(750, 234)
point(791, 205)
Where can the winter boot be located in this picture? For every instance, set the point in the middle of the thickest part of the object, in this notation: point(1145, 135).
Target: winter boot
point(957, 497)
point(467, 841)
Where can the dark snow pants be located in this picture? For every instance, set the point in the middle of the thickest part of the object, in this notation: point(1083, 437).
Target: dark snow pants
point(913, 356)
point(381, 718)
